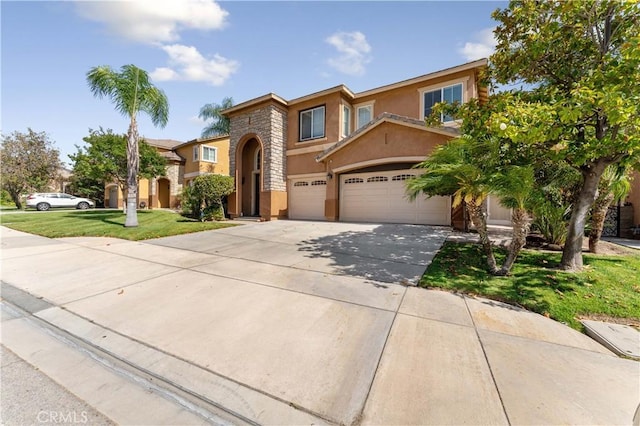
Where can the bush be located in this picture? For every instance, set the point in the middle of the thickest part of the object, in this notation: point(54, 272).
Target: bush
point(203, 199)
point(5, 198)
point(551, 220)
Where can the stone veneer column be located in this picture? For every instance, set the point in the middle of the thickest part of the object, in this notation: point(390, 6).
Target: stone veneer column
point(269, 123)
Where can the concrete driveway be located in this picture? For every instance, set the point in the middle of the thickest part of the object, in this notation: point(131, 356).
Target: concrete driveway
point(304, 322)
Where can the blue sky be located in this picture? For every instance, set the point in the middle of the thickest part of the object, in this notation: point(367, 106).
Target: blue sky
point(201, 51)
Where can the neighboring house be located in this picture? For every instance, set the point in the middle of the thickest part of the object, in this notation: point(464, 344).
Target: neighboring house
point(61, 181)
point(341, 156)
point(185, 161)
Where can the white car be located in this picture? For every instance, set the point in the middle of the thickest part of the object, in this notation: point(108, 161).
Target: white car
point(48, 200)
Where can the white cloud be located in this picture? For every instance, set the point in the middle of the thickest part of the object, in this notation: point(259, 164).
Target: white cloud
point(188, 64)
point(197, 121)
point(164, 74)
point(482, 46)
point(353, 52)
point(154, 21)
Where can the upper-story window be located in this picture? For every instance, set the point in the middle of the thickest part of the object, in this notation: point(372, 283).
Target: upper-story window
point(312, 123)
point(346, 121)
point(449, 94)
point(365, 115)
point(209, 154)
point(196, 153)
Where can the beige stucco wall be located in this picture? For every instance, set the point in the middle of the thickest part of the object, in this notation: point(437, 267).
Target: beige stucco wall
point(200, 166)
point(406, 100)
point(332, 103)
point(386, 141)
point(144, 191)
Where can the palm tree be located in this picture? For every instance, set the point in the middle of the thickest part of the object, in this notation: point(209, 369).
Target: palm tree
point(219, 125)
point(514, 185)
point(614, 185)
point(453, 170)
point(131, 92)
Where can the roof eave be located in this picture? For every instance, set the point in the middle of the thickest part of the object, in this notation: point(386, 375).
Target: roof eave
point(253, 102)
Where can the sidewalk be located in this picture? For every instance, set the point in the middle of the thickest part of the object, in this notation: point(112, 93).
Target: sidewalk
point(269, 342)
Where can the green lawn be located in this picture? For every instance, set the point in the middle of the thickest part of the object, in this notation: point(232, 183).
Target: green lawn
point(609, 285)
point(106, 223)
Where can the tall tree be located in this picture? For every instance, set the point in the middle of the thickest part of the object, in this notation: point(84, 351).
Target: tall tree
point(582, 60)
point(132, 92)
point(29, 162)
point(219, 125)
point(104, 159)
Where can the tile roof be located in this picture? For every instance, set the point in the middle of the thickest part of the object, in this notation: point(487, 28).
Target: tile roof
point(163, 143)
point(172, 156)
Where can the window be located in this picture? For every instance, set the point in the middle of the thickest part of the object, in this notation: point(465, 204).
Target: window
point(196, 153)
point(346, 121)
point(354, 180)
point(209, 154)
point(402, 177)
point(312, 123)
point(377, 179)
point(365, 115)
point(449, 94)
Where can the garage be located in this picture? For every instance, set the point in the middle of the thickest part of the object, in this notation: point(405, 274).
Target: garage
point(306, 198)
point(380, 197)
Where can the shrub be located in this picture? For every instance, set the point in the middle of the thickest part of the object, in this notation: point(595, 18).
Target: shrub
point(203, 199)
point(551, 220)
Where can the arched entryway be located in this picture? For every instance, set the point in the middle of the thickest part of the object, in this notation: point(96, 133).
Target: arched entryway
point(164, 192)
point(250, 173)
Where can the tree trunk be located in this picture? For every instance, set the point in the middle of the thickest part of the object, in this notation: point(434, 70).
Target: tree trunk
point(521, 222)
point(598, 216)
point(15, 196)
point(124, 199)
point(133, 164)
point(572, 253)
point(480, 222)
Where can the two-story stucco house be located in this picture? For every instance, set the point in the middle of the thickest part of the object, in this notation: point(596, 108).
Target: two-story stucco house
point(341, 156)
point(185, 161)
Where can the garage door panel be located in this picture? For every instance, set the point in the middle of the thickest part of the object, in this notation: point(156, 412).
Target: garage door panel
point(306, 199)
point(380, 197)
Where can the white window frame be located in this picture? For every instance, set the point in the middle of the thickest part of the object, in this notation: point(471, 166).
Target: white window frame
point(423, 90)
point(368, 106)
point(345, 121)
point(324, 123)
point(196, 153)
point(215, 154)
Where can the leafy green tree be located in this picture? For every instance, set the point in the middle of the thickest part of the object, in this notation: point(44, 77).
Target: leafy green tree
point(582, 60)
point(104, 159)
point(29, 162)
point(203, 199)
point(219, 125)
point(132, 92)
